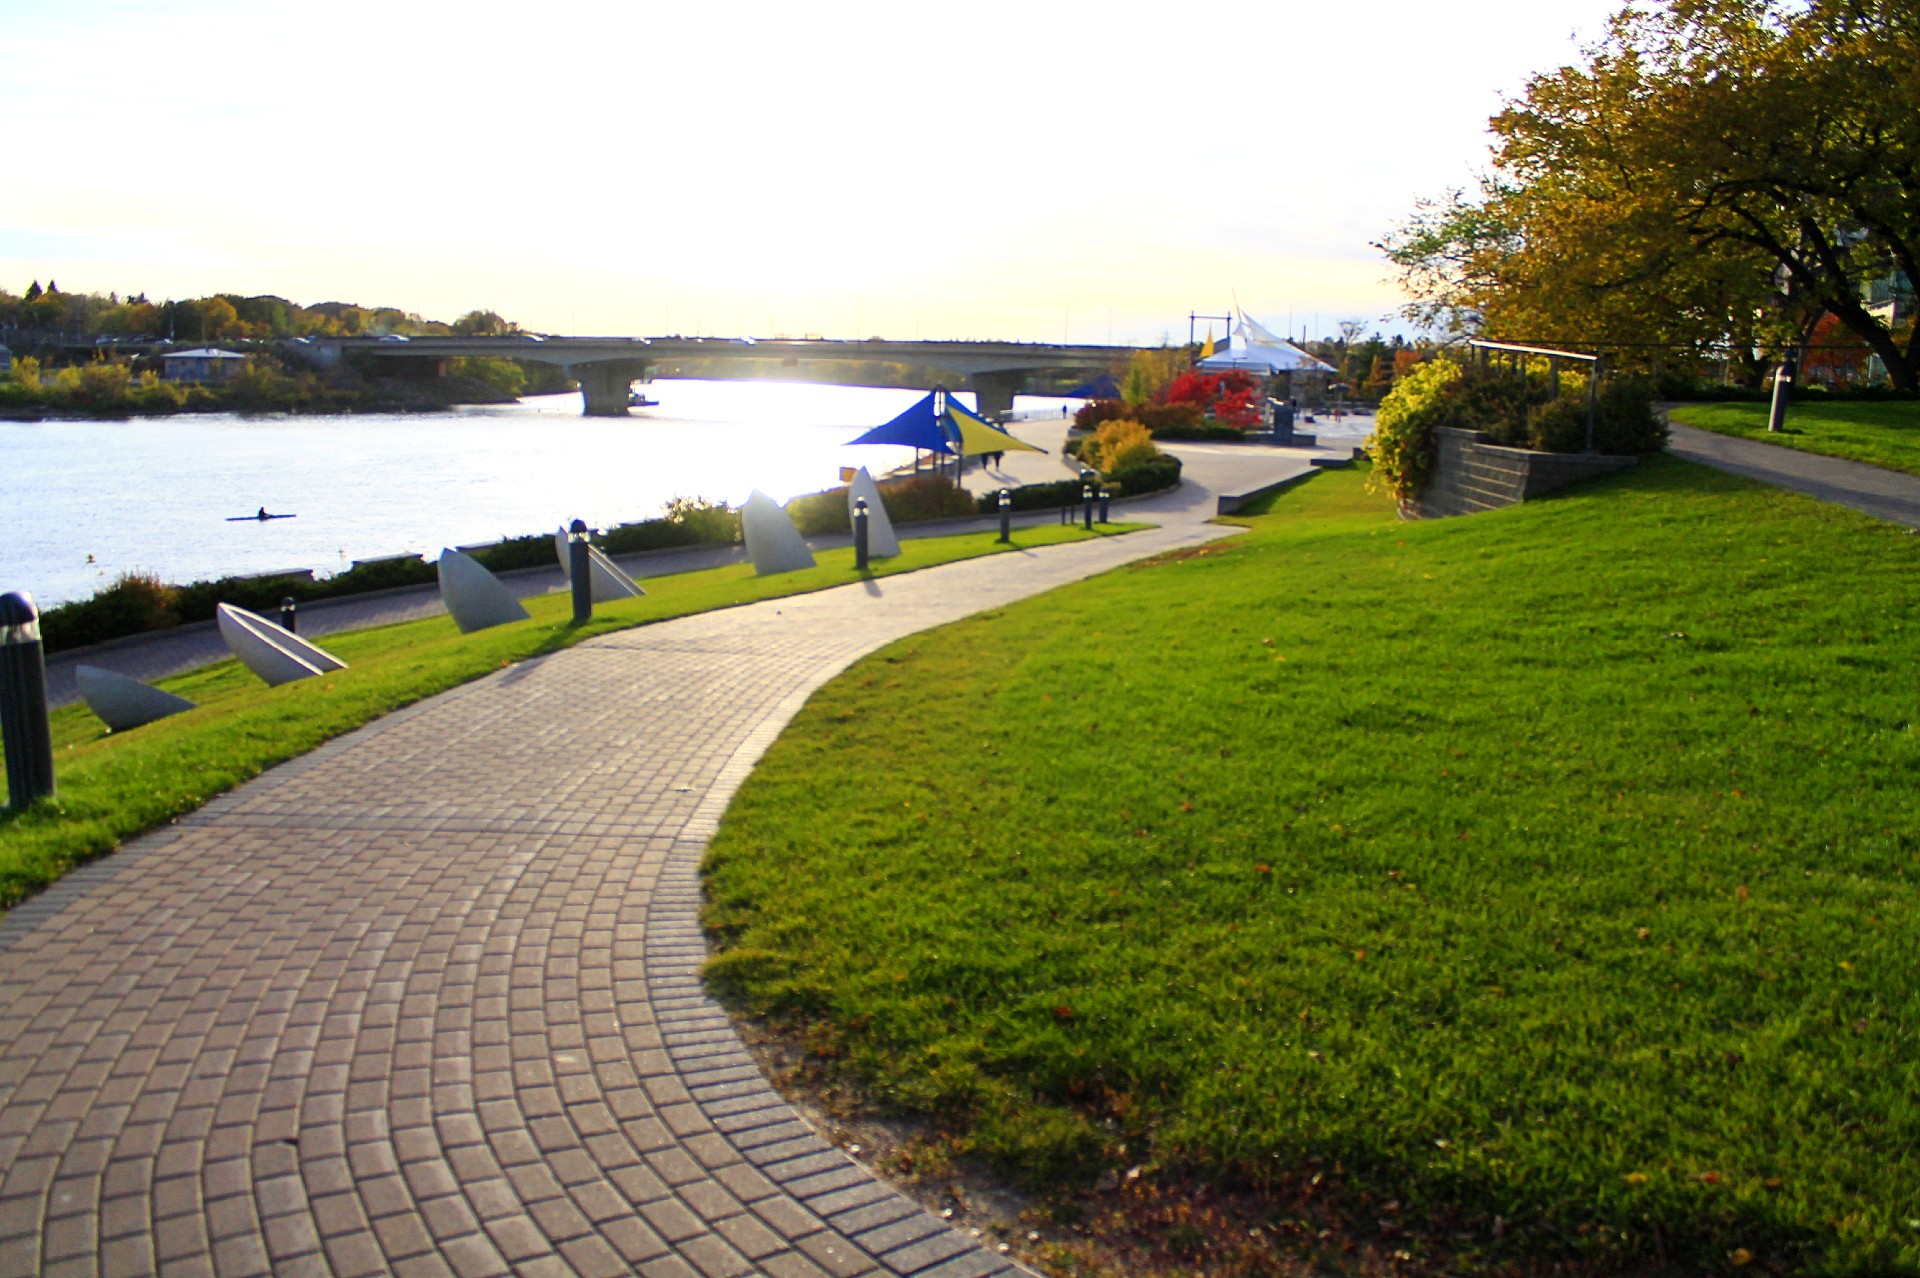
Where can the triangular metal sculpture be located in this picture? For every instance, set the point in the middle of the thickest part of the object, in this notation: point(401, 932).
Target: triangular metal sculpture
point(609, 582)
point(475, 598)
point(881, 542)
point(278, 656)
point(123, 702)
point(773, 543)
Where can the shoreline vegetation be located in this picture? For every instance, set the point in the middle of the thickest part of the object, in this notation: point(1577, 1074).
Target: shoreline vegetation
point(137, 603)
point(84, 355)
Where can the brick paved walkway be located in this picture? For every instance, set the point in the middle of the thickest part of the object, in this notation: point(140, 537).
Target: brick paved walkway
point(426, 1001)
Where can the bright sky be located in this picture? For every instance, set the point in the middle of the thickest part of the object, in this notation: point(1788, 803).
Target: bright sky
point(1035, 170)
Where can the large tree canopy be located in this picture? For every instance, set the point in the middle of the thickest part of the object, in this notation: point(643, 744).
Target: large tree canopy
point(1716, 174)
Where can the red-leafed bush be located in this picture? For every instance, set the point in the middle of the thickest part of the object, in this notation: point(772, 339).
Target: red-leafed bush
point(1199, 389)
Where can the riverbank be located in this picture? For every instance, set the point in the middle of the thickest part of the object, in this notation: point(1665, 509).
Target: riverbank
point(118, 396)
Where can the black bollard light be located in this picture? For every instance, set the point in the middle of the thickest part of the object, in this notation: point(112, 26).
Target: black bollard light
point(580, 568)
point(286, 614)
point(1105, 497)
point(1086, 504)
point(23, 702)
point(860, 534)
point(1006, 516)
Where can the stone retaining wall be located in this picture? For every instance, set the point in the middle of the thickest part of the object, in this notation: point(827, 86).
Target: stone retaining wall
point(1470, 476)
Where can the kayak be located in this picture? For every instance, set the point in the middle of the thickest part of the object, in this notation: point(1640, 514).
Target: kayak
point(251, 519)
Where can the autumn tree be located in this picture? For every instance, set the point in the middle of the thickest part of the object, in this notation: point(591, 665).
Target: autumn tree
point(1714, 174)
point(483, 324)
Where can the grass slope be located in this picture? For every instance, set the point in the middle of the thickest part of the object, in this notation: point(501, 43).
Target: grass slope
point(114, 785)
point(1555, 865)
point(1881, 434)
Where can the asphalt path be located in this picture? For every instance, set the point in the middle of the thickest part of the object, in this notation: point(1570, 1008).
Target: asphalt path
point(1884, 494)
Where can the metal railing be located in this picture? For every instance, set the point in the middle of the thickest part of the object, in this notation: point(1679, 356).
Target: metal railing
point(1553, 357)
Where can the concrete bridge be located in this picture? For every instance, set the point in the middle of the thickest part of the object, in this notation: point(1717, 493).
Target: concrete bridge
point(606, 367)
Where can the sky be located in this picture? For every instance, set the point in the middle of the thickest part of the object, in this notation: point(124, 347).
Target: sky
point(1038, 171)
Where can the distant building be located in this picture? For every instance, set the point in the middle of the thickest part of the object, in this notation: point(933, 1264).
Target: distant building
point(202, 365)
point(6, 360)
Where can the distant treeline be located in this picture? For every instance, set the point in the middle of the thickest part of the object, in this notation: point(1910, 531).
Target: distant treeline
point(68, 360)
point(221, 317)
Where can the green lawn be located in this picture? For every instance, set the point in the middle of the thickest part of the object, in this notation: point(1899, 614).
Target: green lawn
point(1555, 865)
point(114, 785)
point(1883, 434)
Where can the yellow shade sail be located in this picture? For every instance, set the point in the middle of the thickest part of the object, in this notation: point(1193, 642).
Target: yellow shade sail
point(977, 436)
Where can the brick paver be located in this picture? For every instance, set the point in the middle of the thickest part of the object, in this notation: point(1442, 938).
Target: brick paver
point(428, 1000)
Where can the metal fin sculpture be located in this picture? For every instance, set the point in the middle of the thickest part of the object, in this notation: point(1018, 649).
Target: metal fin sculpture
point(881, 542)
point(609, 582)
point(475, 598)
point(277, 656)
point(773, 543)
point(123, 702)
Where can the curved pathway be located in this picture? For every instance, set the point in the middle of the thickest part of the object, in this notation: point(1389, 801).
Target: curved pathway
point(1884, 494)
point(426, 1001)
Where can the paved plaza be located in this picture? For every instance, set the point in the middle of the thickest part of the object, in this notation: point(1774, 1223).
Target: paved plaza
point(427, 1000)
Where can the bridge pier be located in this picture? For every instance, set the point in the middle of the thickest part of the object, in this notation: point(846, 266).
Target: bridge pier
point(994, 392)
point(604, 385)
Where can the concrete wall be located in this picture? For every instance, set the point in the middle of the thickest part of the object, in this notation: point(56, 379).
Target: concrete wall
point(1470, 476)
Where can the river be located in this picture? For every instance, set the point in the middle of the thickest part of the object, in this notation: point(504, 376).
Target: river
point(82, 502)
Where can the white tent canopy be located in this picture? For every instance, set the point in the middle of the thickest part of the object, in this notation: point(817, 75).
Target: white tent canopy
point(1256, 350)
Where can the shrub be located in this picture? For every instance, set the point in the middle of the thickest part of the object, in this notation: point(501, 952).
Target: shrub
point(1119, 445)
point(503, 376)
point(710, 521)
point(98, 388)
point(132, 605)
point(1096, 412)
point(1207, 428)
point(1623, 421)
point(819, 513)
point(535, 550)
point(1158, 472)
point(922, 497)
point(1404, 436)
point(1061, 492)
point(689, 521)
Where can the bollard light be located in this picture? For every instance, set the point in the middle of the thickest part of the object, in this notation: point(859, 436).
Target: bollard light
point(1105, 497)
point(1776, 410)
point(860, 542)
point(23, 702)
point(287, 606)
point(1086, 504)
point(1006, 515)
point(580, 568)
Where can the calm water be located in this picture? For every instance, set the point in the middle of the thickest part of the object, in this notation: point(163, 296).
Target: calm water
point(153, 495)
